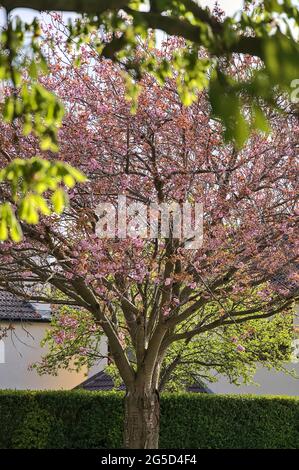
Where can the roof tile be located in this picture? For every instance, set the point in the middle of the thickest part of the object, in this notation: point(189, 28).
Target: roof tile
point(14, 308)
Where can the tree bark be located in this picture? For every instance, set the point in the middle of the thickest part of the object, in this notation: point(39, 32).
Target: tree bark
point(142, 420)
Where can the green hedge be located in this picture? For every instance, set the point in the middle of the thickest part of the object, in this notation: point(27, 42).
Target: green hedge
point(80, 419)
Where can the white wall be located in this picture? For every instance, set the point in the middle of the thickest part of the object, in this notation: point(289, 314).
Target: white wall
point(270, 383)
point(21, 349)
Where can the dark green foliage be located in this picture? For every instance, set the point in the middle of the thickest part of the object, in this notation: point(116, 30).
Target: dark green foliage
point(80, 419)
point(215, 421)
point(74, 419)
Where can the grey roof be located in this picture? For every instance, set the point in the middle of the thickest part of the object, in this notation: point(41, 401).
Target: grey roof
point(99, 381)
point(198, 388)
point(103, 381)
point(12, 308)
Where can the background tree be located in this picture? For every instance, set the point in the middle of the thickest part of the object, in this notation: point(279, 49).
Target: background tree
point(154, 292)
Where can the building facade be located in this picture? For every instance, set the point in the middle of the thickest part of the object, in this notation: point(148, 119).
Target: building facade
point(21, 347)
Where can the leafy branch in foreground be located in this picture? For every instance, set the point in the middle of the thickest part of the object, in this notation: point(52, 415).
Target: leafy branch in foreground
point(30, 182)
point(264, 30)
point(27, 102)
point(22, 62)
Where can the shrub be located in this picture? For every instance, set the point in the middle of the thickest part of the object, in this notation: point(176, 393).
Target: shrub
point(222, 421)
point(86, 420)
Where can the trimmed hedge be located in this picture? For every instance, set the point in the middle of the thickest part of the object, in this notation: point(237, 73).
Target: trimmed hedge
point(80, 419)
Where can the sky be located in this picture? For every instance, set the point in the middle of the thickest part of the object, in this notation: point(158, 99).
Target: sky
point(27, 15)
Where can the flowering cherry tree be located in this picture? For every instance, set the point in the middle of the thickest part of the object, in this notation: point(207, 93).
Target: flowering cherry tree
point(267, 30)
point(149, 294)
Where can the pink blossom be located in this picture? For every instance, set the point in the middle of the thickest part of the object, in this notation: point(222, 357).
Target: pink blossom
point(166, 311)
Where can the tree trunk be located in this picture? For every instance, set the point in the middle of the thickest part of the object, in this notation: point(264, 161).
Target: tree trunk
point(142, 419)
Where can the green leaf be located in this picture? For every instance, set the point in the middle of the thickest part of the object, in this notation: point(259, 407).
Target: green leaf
point(59, 200)
point(3, 229)
point(69, 181)
point(16, 232)
point(260, 121)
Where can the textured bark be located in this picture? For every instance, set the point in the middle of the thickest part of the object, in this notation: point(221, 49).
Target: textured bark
point(142, 420)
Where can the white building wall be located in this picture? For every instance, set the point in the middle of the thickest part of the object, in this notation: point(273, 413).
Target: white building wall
point(270, 382)
point(21, 349)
